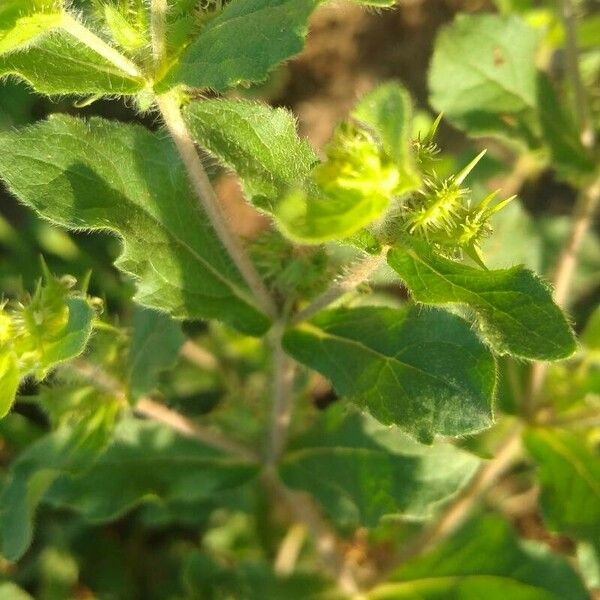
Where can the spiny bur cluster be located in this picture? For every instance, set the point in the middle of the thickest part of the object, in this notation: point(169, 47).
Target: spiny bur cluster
point(441, 212)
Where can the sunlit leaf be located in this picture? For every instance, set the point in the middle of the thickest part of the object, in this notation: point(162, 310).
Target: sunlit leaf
point(423, 370)
point(361, 471)
point(569, 474)
point(242, 44)
point(514, 307)
point(101, 175)
point(484, 560)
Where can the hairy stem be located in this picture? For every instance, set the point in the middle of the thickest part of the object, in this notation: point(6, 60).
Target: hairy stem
point(161, 414)
point(158, 27)
point(460, 509)
point(176, 421)
point(304, 511)
point(563, 277)
point(73, 27)
point(171, 114)
point(356, 275)
point(582, 108)
point(565, 268)
point(283, 400)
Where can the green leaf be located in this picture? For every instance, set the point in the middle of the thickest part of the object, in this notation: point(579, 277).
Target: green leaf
point(483, 75)
point(560, 133)
point(387, 110)
point(205, 578)
point(54, 326)
point(515, 308)
point(369, 161)
point(588, 559)
point(376, 3)
point(11, 591)
point(361, 471)
point(146, 462)
point(497, 90)
point(484, 560)
point(72, 339)
point(258, 142)
point(101, 175)
point(242, 44)
point(425, 371)
point(123, 31)
point(10, 376)
point(66, 450)
point(515, 240)
point(569, 475)
point(591, 334)
point(21, 21)
point(311, 218)
point(155, 345)
point(58, 64)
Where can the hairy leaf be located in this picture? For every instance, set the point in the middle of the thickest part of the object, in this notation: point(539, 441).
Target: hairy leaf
point(515, 308)
point(155, 344)
point(123, 178)
point(256, 141)
point(66, 450)
point(483, 75)
point(560, 133)
point(484, 560)
point(21, 21)
point(50, 328)
point(360, 470)
point(369, 161)
point(425, 371)
point(387, 110)
point(591, 334)
point(206, 578)
point(10, 376)
point(10, 591)
point(311, 218)
point(72, 339)
point(569, 474)
point(147, 462)
point(58, 64)
point(242, 44)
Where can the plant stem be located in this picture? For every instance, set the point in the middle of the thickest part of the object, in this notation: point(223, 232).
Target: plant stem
point(356, 275)
point(586, 204)
point(198, 356)
point(158, 27)
point(173, 119)
point(289, 550)
point(73, 27)
point(283, 400)
point(161, 414)
point(326, 542)
point(582, 109)
point(460, 509)
point(563, 276)
point(176, 421)
point(565, 269)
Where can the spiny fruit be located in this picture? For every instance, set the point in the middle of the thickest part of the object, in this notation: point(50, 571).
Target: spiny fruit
point(441, 212)
point(356, 165)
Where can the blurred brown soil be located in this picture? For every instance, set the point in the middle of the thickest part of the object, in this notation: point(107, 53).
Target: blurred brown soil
point(350, 49)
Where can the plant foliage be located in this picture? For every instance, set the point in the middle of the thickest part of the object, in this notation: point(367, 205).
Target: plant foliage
point(319, 410)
